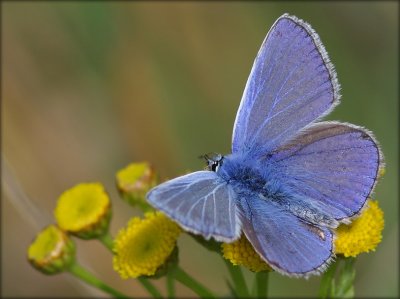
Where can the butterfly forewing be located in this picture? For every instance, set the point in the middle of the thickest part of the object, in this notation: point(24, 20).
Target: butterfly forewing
point(201, 202)
point(292, 83)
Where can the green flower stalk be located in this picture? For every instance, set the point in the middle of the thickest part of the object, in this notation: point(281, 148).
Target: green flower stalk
point(134, 181)
point(241, 253)
point(52, 251)
point(338, 280)
point(84, 211)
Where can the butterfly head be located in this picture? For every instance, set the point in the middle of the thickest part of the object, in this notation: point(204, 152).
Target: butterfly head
point(213, 160)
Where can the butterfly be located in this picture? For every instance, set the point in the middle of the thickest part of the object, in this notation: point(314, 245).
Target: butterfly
point(290, 179)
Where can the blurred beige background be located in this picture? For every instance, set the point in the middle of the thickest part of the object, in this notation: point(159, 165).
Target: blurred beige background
point(89, 87)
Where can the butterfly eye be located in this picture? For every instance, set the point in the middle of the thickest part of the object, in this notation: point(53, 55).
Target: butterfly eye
point(214, 161)
point(214, 166)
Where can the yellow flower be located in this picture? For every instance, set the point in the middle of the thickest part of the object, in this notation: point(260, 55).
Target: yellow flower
point(363, 234)
point(52, 251)
point(241, 252)
point(144, 245)
point(84, 210)
point(134, 181)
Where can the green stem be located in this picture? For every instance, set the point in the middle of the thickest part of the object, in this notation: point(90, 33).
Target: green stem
point(191, 283)
point(108, 241)
point(239, 283)
point(81, 273)
point(171, 284)
point(149, 287)
point(261, 284)
point(345, 280)
point(327, 286)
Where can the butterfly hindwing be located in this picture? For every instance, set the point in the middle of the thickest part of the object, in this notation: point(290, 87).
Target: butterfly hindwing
point(332, 165)
point(292, 83)
point(288, 244)
point(201, 202)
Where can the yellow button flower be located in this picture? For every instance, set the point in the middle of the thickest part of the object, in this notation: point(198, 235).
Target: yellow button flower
point(84, 210)
point(144, 245)
point(241, 252)
point(52, 251)
point(134, 181)
point(363, 234)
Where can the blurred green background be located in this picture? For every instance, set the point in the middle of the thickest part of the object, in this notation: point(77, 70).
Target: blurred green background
point(89, 87)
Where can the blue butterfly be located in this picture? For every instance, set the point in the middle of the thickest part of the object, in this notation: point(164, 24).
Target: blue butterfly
point(290, 180)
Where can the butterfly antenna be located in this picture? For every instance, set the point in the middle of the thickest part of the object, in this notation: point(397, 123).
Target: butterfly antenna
point(205, 157)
